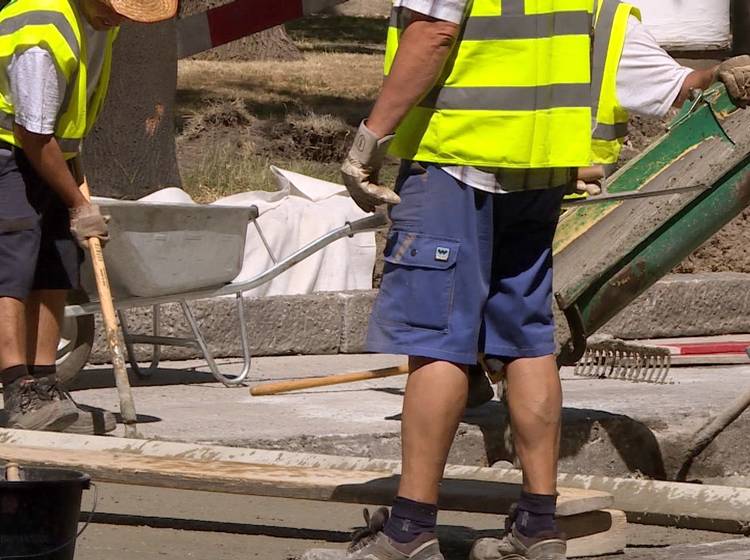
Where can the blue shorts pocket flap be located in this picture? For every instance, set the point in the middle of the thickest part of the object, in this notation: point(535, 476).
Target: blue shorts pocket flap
point(421, 251)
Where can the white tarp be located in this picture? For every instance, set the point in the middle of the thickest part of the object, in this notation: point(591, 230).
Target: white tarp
point(300, 211)
point(688, 24)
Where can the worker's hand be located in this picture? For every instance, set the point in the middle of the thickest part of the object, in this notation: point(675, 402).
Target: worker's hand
point(361, 167)
point(86, 222)
point(735, 73)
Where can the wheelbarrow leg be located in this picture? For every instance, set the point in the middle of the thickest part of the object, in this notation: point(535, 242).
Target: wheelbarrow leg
point(245, 339)
point(229, 381)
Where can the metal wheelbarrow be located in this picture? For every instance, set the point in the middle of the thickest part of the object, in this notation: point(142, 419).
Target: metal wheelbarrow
point(177, 253)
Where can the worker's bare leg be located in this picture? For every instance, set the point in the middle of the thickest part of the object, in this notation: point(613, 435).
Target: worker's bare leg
point(28, 403)
point(12, 333)
point(44, 315)
point(535, 402)
point(433, 407)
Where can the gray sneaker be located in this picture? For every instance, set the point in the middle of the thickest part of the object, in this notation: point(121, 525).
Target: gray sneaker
point(35, 404)
point(371, 543)
point(515, 546)
point(91, 421)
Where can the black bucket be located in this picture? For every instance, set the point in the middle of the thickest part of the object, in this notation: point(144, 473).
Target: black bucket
point(39, 514)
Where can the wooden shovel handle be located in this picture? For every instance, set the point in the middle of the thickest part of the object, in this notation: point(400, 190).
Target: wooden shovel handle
point(275, 388)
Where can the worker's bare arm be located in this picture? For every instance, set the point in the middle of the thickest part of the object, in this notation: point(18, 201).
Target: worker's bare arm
point(423, 50)
point(698, 79)
point(48, 161)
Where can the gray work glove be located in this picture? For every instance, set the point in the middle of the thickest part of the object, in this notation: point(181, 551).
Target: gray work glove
point(361, 168)
point(735, 73)
point(588, 182)
point(587, 189)
point(87, 222)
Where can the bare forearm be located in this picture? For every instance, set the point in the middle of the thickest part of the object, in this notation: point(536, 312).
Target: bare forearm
point(423, 50)
point(45, 155)
point(698, 79)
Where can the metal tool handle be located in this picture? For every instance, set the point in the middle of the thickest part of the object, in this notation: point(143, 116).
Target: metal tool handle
point(376, 221)
point(631, 195)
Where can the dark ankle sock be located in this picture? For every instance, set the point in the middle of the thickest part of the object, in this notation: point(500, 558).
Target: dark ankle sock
point(42, 371)
point(409, 519)
point(11, 374)
point(536, 514)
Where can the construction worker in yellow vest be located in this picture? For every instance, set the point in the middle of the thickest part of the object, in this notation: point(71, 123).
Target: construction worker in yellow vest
point(488, 103)
point(56, 62)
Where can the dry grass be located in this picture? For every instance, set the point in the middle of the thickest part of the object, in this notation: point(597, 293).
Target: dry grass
point(237, 118)
point(326, 83)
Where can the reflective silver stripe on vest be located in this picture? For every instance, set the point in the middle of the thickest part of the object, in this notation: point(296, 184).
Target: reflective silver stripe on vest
point(605, 24)
point(610, 132)
point(42, 17)
point(533, 26)
point(509, 98)
point(67, 145)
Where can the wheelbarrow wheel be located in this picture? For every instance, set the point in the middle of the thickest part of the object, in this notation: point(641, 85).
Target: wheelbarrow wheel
point(76, 341)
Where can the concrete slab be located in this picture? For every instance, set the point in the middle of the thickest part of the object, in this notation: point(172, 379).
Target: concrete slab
point(612, 428)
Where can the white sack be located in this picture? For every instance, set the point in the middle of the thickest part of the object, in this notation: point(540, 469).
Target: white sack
point(300, 211)
point(688, 24)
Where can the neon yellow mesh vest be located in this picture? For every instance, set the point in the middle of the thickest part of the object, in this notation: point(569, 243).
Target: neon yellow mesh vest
point(610, 120)
point(57, 26)
point(515, 92)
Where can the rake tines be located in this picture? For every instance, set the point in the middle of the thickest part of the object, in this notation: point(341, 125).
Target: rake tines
point(616, 359)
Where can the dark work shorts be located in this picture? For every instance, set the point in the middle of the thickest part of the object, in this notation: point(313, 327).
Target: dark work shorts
point(466, 272)
point(37, 250)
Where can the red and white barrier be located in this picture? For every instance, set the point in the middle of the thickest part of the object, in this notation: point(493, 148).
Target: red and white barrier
point(205, 30)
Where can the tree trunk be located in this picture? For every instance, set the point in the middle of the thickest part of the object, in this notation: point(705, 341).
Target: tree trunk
point(131, 151)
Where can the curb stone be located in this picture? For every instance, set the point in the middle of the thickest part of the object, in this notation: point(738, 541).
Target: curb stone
point(705, 304)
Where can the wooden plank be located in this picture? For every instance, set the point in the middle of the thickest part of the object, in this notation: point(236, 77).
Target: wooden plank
point(595, 533)
point(572, 501)
point(365, 487)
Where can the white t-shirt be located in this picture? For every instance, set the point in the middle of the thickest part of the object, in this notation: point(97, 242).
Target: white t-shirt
point(648, 82)
point(37, 87)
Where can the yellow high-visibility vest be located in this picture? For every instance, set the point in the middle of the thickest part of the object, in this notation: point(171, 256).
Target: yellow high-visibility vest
point(515, 93)
point(610, 119)
point(57, 26)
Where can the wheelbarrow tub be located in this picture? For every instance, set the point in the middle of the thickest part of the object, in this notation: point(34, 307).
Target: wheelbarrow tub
point(161, 249)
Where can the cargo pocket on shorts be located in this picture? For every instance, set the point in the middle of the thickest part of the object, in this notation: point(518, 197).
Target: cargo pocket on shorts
point(418, 280)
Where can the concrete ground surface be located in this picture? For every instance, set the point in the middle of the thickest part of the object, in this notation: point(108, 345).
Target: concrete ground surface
point(611, 427)
point(616, 428)
point(151, 524)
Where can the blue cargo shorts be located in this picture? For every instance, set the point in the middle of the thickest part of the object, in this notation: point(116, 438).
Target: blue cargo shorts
point(37, 250)
point(466, 271)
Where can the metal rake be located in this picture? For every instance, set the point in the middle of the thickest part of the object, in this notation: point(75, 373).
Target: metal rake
point(617, 359)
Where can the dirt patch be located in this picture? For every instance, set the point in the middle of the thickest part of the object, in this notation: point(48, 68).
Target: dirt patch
point(727, 251)
point(322, 138)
